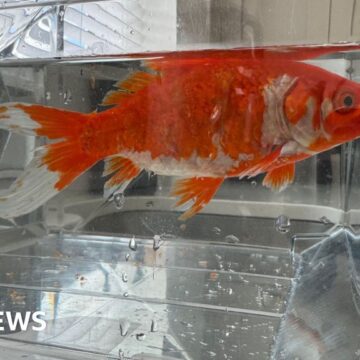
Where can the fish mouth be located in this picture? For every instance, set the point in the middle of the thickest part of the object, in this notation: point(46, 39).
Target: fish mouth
point(337, 129)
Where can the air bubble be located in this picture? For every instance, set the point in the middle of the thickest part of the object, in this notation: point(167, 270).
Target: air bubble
point(140, 336)
point(157, 242)
point(282, 224)
point(126, 294)
point(325, 220)
point(119, 200)
point(154, 326)
point(67, 97)
point(125, 277)
point(127, 257)
point(132, 244)
point(232, 239)
point(216, 230)
point(48, 95)
point(253, 183)
point(121, 355)
point(124, 327)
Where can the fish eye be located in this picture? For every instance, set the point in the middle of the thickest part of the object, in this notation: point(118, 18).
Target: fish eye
point(348, 101)
point(345, 101)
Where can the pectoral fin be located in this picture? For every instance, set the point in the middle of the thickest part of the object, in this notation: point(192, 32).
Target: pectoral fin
point(279, 178)
point(200, 190)
point(122, 169)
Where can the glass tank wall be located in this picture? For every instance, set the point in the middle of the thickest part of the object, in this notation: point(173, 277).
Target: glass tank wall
point(257, 274)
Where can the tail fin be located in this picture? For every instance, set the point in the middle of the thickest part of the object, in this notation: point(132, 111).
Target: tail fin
point(54, 166)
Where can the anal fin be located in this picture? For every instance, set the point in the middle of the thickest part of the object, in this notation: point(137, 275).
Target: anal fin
point(280, 177)
point(121, 169)
point(200, 190)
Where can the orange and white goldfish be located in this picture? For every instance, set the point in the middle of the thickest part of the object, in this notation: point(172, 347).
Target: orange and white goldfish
point(205, 116)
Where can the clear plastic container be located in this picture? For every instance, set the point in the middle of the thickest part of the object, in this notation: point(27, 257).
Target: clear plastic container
point(256, 274)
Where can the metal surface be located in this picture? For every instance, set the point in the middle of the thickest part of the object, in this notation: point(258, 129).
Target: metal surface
point(159, 297)
point(93, 287)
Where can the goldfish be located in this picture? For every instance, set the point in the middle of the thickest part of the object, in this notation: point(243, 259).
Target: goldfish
point(204, 116)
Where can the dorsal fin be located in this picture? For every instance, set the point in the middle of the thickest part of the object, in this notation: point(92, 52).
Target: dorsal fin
point(135, 82)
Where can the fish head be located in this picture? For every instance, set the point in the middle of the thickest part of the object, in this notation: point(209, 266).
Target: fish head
point(338, 113)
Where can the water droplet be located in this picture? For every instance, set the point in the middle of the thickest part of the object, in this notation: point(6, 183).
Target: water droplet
point(232, 239)
point(325, 220)
point(98, 47)
point(124, 327)
point(67, 97)
point(157, 242)
point(126, 294)
point(125, 277)
point(282, 224)
point(132, 244)
point(132, 32)
point(216, 230)
point(140, 336)
point(127, 257)
point(48, 95)
point(119, 200)
point(121, 355)
point(154, 326)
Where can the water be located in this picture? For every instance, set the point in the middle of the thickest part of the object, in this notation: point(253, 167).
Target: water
point(232, 258)
point(81, 85)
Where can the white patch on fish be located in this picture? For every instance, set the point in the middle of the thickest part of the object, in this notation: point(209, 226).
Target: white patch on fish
point(16, 120)
point(33, 188)
point(303, 131)
point(326, 108)
point(192, 166)
point(276, 128)
point(293, 148)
